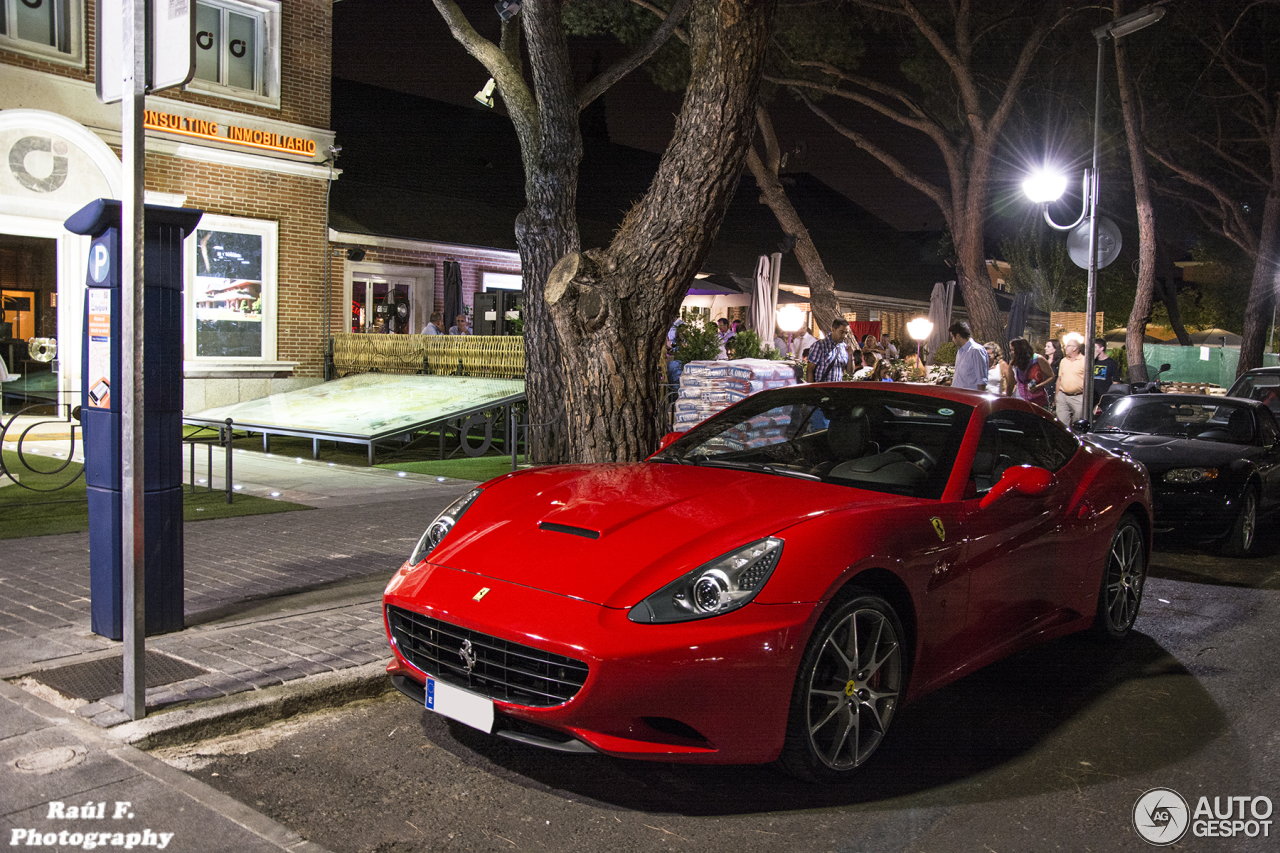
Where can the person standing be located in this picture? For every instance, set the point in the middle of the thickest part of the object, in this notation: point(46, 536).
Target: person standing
point(1069, 400)
point(460, 327)
point(725, 333)
point(1032, 373)
point(999, 376)
point(1053, 353)
point(829, 356)
point(1106, 370)
point(971, 359)
point(433, 325)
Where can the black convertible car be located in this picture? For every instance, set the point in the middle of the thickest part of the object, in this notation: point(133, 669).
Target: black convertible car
point(1214, 462)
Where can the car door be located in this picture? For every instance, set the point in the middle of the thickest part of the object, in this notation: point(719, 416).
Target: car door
point(1013, 546)
point(1269, 457)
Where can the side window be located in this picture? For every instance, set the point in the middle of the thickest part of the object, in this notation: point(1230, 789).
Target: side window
point(49, 29)
point(1017, 438)
point(1267, 429)
point(238, 49)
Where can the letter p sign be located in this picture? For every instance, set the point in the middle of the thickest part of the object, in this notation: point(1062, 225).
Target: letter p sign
point(99, 262)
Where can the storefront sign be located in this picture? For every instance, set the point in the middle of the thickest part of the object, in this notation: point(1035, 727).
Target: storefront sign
point(200, 128)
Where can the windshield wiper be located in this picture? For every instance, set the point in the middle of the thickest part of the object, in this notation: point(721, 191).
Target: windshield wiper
point(758, 466)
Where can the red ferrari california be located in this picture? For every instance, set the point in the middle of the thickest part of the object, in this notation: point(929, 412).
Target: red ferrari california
point(772, 584)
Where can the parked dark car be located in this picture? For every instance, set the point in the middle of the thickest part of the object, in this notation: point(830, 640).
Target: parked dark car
point(1262, 384)
point(1214, 462)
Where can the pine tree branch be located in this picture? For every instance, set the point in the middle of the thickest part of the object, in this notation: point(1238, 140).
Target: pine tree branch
point(670, 26)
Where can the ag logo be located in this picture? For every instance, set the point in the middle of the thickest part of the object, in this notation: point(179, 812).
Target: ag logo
point(938, 528)
point(39, 145)
point(1161, 816)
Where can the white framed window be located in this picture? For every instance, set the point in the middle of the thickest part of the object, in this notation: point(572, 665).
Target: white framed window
point(48, 29)
point(230, 295)
point(238, 50)
point(501, 281)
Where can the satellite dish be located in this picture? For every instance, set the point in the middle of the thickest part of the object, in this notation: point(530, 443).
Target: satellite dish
point(1109, 243)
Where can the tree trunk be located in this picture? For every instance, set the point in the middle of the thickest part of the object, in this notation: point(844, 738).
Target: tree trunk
point(1262, 292)
point(822, 287)
point(969, 235)
point(1141, 311)
point(613, 306)
point(1167, 291)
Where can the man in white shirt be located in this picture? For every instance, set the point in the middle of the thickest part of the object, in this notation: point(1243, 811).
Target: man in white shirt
point(971, 359)
point(433, 325)
point(460, 327)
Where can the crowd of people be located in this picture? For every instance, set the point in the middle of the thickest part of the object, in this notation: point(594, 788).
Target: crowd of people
point(1053, 380)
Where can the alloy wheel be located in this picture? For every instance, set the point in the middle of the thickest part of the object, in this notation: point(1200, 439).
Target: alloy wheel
point(1125, 574)
point(853, 688)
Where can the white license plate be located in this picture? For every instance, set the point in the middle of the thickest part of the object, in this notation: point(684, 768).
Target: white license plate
point(475, 711)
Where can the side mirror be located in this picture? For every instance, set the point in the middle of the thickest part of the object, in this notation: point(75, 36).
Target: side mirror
point(1080, 427)
point(1165, 367)
point(1023, 479)
point(667, 440)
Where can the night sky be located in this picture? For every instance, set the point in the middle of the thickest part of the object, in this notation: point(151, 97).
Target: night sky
point(404, 45)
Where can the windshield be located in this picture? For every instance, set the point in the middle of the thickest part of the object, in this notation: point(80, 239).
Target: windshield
point(1208, 420)
point(886, 441)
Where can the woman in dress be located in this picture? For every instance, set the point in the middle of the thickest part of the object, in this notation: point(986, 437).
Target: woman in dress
point(1032, 373)
point(999, 376)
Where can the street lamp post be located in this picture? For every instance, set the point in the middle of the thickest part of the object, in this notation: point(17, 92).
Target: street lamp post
point(1043, 188)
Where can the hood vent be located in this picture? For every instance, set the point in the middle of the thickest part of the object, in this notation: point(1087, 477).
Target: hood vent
point(565, 528)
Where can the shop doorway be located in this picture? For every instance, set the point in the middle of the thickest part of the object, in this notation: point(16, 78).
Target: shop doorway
point(382, 304)
point(29, 297)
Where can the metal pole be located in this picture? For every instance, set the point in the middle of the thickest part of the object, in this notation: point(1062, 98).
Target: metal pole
point(133, 479)
point(1091, 299)
point(227, 460)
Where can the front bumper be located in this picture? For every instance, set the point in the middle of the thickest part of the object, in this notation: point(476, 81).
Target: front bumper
point(713, 691)
point(1199, 513)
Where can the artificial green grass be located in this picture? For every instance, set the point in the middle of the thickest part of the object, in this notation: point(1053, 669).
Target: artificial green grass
point(479, 469)
point(45, 513)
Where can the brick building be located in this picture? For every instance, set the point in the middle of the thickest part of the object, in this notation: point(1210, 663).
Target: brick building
point(247, 141)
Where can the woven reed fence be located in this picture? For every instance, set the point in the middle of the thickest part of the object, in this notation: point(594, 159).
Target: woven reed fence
point(442, 355)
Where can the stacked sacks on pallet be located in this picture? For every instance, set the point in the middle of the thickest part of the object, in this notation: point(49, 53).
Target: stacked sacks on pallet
point(706, 387)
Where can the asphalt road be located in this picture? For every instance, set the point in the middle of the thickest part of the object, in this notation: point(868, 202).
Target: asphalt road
point(1049, 750)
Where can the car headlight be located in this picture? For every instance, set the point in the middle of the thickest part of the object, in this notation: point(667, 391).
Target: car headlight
point(438, 529)
point(1190, 476)
point(724, 584)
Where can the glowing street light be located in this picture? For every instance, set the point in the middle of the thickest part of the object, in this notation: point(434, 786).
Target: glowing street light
point(790, 320)
point(919, 329)
point(1044, 187)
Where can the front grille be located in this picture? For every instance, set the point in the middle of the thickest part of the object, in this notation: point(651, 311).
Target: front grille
point(509, 672)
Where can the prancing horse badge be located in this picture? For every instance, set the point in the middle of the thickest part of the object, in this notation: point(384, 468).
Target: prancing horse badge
point(484, 590)
point(938, 528)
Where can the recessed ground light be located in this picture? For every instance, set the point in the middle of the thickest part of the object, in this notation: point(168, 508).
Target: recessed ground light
point(400, 474)
point(237, 488)
point(440, 479)
point(275, 494)
point(202, 481)
point(298, 459)
point(331, 464)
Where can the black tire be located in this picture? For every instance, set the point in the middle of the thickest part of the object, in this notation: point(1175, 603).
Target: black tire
point(1123, 579)
point(1244, 530)
point(850, 682)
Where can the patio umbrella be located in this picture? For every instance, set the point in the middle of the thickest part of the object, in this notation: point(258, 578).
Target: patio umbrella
point(940, 303)
point(452, 292)
point(1119, 334)
point(1017, 317)
point(1213, 338)
point(761, 316)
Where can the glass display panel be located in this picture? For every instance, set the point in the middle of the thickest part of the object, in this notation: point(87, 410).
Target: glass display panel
point(228, 295)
